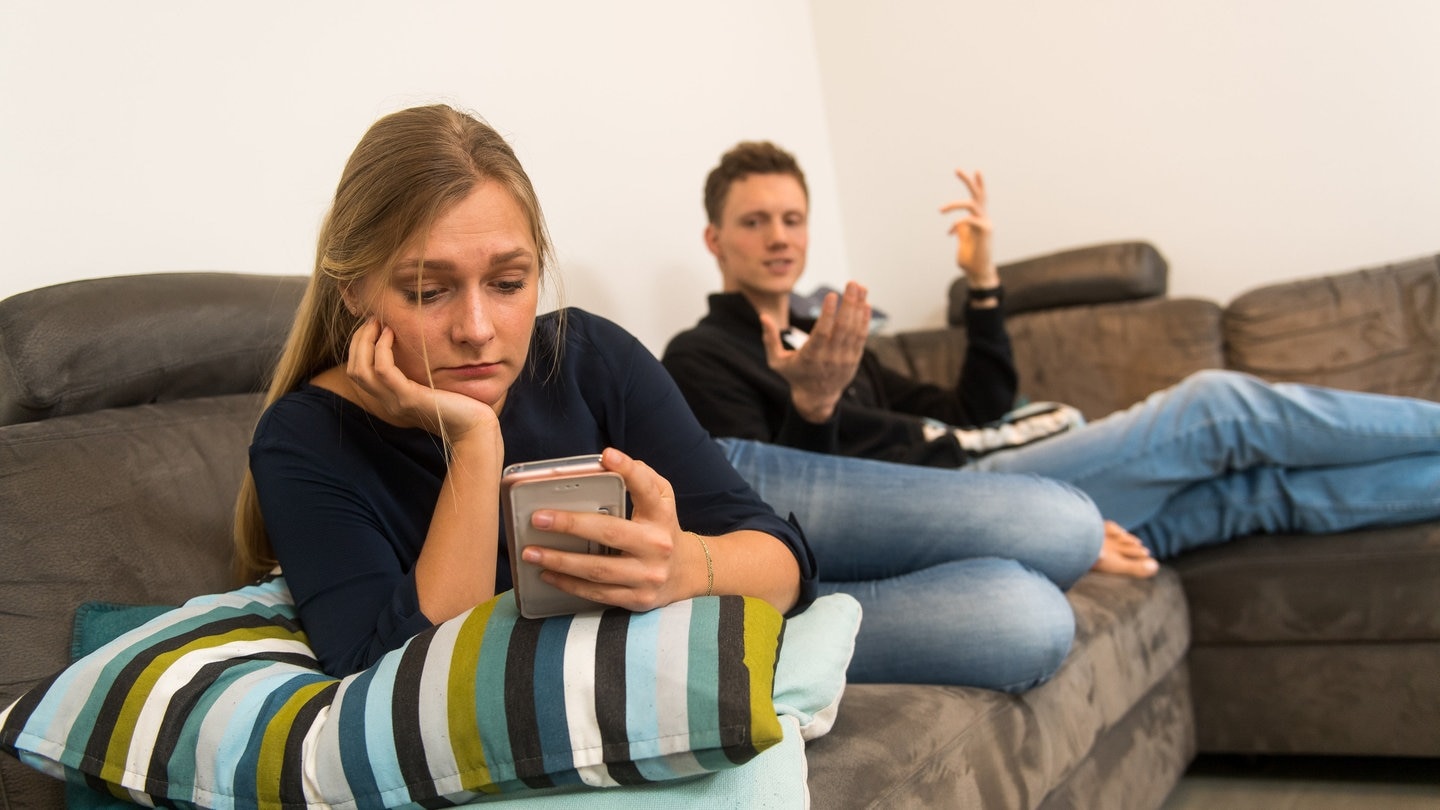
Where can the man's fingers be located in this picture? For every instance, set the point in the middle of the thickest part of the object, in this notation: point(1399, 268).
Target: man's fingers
point(770, 336)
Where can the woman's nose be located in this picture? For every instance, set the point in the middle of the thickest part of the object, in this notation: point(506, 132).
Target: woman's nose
point(472, 321)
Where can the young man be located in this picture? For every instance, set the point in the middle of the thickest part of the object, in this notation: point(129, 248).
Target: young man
point(752, 369)
point(956, 564)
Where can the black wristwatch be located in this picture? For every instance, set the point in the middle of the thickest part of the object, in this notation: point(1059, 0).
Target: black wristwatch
point(997, 293)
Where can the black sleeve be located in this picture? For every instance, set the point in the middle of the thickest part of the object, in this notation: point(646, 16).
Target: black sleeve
point(986, 387)
point(734, 395)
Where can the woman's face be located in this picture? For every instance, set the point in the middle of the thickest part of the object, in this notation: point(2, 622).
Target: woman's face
point(463, 321)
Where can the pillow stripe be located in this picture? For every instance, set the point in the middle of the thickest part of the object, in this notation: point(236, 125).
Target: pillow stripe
point(672, 693)
point(350, 734)
point(490, 702)
point(579, 664)
point(462, 676)
point(380, 743)
point(221, 704)
point(555, 760)
point(641, 715)
point(280, 754)
point(764, 637)
point(705, 702)
point(521, 713)
point(405, 717)
point(612, 639)
point(121, 708)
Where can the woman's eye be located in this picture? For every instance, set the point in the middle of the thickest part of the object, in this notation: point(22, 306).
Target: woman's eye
point(510, 287)
point(424, 296)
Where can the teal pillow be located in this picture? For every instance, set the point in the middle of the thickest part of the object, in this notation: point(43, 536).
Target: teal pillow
point(221, 702)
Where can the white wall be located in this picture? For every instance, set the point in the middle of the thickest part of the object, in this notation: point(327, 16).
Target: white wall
point(162, 135)
point(1250, 141)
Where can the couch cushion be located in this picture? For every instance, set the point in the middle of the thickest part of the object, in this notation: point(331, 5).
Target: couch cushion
point(945, 746)
point(106, 342)
point(1366, 586)
point(1094, 274)
point(1368, 330)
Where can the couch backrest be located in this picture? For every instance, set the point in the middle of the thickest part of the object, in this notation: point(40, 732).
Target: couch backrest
point(109, 342)
point(1376, 329)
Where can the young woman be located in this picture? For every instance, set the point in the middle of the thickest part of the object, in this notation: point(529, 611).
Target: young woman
point(417, 368)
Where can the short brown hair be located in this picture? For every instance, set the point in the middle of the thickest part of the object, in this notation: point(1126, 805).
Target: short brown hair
point(744, 159)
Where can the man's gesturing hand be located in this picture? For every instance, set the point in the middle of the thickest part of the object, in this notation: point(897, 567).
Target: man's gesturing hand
point(821, 369)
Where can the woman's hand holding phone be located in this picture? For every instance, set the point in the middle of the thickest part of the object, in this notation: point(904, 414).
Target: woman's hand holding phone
point(654, 566)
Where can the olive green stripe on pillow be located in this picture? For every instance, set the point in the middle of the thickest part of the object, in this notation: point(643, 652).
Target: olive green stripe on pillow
point(467, 682)
point(764, 634)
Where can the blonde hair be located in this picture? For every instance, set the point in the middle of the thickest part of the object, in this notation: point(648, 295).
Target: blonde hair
point(407, 171)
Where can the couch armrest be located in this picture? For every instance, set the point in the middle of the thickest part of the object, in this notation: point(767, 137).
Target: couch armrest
point(1095, 274)
point(128, 340)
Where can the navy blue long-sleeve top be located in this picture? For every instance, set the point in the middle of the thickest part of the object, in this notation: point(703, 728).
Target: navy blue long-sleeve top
point(347, 498)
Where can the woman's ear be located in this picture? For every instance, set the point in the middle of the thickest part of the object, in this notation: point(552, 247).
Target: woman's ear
point(347, 295)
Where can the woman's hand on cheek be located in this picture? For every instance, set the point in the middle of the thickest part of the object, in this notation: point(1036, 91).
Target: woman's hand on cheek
point(400, 400)
point(654, 567)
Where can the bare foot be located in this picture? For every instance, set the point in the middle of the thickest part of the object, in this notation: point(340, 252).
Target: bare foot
point(1123, 553)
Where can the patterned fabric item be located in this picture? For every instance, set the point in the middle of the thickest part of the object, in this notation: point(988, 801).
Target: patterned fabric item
point(220, 703)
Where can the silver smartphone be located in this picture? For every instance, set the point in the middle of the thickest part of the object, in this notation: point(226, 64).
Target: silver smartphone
point(572, 484)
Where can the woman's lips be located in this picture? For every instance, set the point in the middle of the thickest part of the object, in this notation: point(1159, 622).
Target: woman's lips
point(476, 371)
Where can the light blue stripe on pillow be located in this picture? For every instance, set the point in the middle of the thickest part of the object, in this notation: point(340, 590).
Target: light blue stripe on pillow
point(641, 710)
point(382, 760)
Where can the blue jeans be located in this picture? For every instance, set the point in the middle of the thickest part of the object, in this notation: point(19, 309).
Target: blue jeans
point(958, 584)
point(1224, 454)
point(961, 576)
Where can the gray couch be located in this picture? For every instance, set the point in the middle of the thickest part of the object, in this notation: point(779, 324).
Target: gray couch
point(127, 405)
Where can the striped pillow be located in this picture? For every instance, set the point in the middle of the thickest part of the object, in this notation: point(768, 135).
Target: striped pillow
point(220, 703)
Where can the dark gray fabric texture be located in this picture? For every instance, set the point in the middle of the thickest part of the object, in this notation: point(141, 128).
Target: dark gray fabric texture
point(1336, 699)
point(1137, 763)
point(1378, 585)
point(1368, 330)
point(129, 505)
point(1097, 358)
point(938, 746)
point(1093, 274)
point(129, 340)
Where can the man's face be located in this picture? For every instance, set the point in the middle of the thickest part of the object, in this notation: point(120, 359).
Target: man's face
point(762, 236)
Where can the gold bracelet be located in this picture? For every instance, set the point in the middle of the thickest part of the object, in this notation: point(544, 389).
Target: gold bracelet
point(709, 565)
